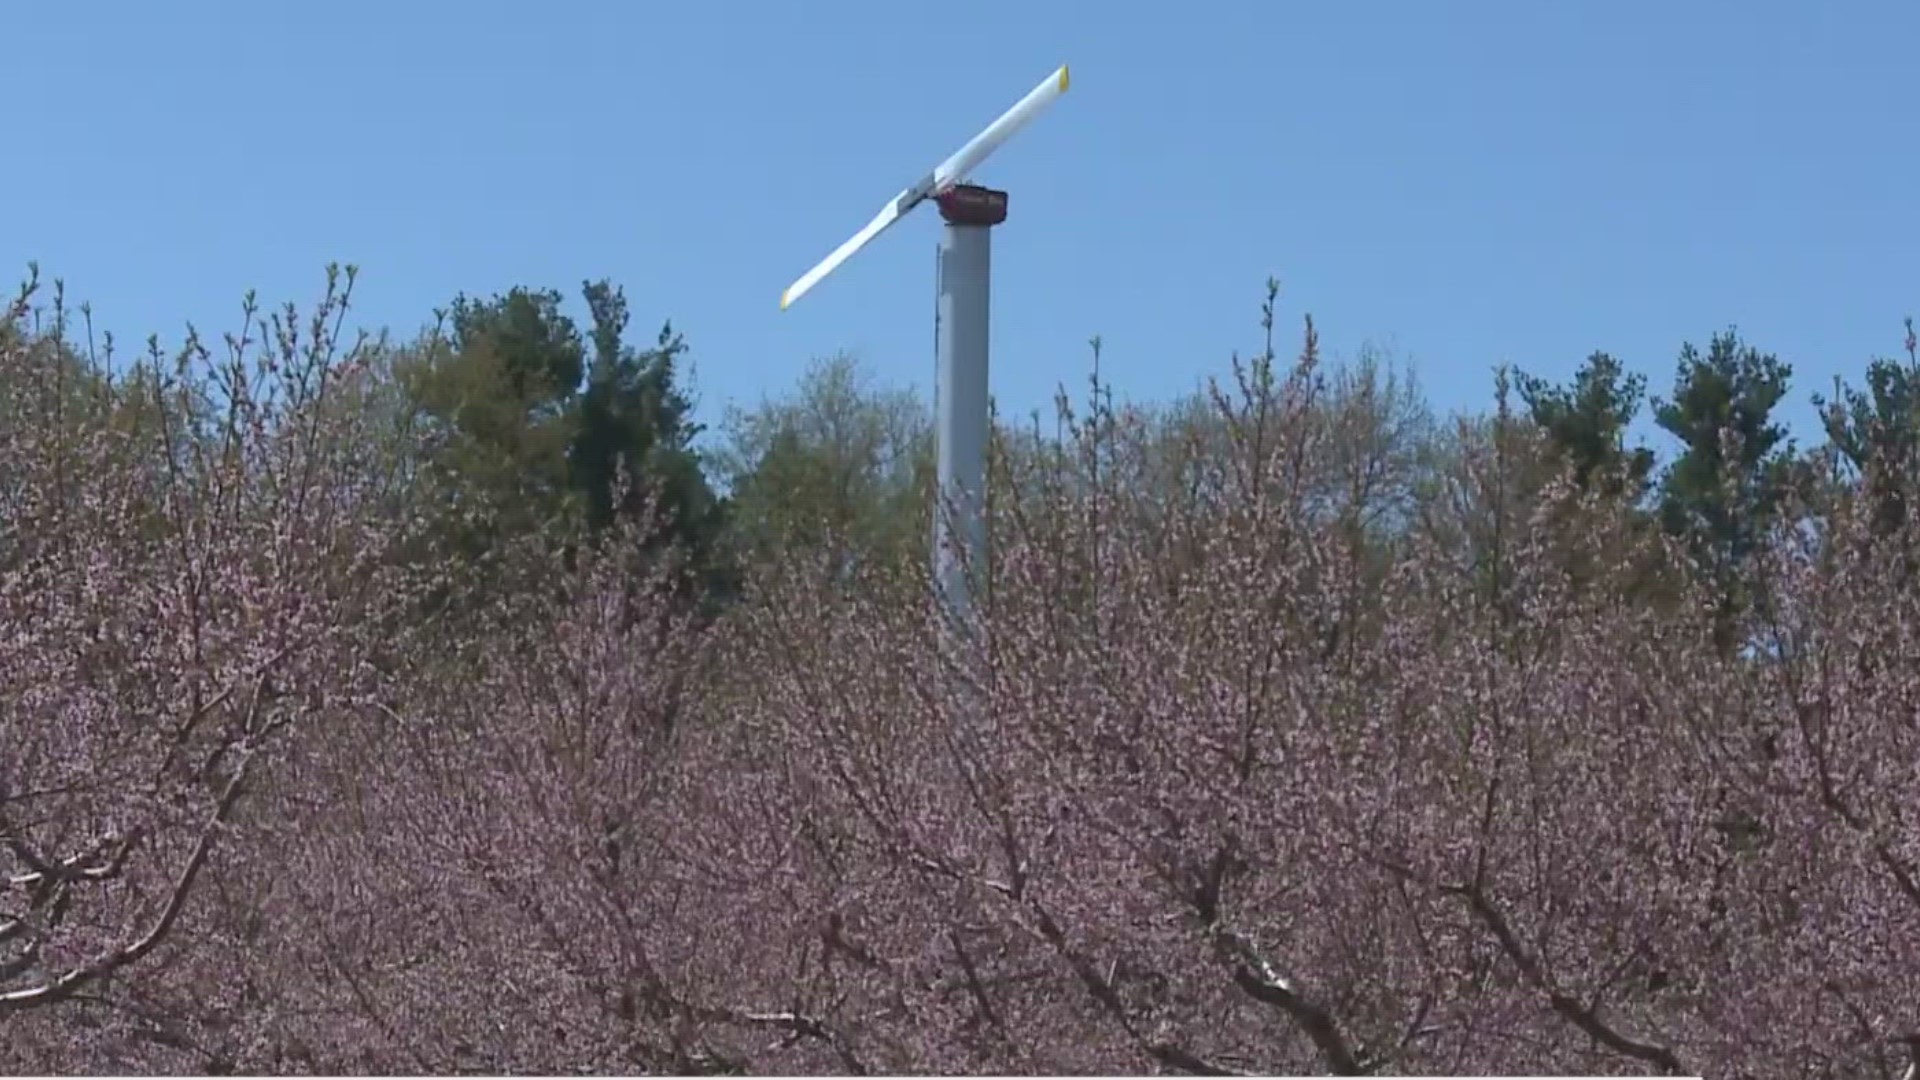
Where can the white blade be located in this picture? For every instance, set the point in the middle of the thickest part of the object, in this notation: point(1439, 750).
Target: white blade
point(968, 158)
point(887, 216)
point(944, 176)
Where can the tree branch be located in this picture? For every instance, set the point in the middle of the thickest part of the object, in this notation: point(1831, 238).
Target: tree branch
point(1586, 1018)
point(1258, 979)
point(1103, 992)
point(793, 1022)
point(75, 979)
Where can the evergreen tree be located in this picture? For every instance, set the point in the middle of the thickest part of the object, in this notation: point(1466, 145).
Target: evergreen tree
point(1586, 423)
point(1726, 486)
point(536, 429)
point(1876, 433)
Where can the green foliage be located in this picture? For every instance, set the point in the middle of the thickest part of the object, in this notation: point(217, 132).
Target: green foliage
point(1732, 469)
point(632, 451)
point(522, 437)
point(1586, 424)
point(840, 471)
point(494, 400)
point(1876, 432)
point(1723, 492)
point(534, 350)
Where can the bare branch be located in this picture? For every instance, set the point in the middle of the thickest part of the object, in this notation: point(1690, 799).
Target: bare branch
point(1258, 979)
point(1102, 991)
point(75, 868)
point(75, 979)
point(1586, 1018)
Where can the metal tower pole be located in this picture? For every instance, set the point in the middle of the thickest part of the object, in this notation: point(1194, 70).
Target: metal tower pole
point(960, 393)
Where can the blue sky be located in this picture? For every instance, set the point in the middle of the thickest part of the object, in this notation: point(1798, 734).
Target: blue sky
point(1463, 183)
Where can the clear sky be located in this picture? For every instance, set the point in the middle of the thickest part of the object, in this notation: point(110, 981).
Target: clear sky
point(1465, 183)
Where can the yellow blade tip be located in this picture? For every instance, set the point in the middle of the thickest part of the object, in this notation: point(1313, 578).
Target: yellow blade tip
point(786, 297)
point(1063, 78)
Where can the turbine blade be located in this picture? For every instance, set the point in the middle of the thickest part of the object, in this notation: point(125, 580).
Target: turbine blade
point(949, 172)
point(887, 216)
point(956, 168)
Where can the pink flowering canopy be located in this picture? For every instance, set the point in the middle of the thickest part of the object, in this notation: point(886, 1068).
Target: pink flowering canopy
point(1284, 742)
